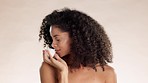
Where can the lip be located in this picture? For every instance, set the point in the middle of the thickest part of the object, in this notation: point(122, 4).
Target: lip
point(57, 51)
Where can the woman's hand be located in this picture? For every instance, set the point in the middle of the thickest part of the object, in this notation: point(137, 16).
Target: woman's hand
point(55, 61)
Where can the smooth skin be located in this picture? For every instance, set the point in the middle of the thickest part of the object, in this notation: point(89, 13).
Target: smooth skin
point(55, 70)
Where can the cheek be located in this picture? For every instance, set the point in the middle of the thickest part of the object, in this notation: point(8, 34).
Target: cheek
point(65, 44)
point(65, 48)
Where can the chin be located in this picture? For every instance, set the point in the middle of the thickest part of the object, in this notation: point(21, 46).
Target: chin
point(62, 55)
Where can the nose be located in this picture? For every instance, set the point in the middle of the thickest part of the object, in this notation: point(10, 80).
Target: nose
point(54, 45)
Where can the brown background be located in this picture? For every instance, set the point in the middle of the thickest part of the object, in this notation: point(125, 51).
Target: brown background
point(125, 21)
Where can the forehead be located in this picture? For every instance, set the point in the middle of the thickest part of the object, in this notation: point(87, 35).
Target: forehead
point(55, 30)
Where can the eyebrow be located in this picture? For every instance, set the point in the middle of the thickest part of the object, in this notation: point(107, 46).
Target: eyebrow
point(56, 35)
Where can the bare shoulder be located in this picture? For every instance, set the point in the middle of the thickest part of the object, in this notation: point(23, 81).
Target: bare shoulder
point(47, 73)
point(109, 69)
point(46, 66)
point(110, 74)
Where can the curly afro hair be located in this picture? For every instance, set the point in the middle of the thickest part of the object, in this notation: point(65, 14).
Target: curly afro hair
point(90, 43)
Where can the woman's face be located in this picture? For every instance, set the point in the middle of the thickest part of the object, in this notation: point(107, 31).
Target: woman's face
point(61, 41)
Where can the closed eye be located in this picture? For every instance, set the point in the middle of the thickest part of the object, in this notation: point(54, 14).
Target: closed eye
point(58, 40)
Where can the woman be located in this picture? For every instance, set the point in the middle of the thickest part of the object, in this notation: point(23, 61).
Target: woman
point(82, 49)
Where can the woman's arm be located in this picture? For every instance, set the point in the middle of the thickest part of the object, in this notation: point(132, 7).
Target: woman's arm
point(63, 77)
point(47, 73)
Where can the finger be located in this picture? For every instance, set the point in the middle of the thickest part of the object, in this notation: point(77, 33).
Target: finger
point(54, 61)
point(46, 59)
point(59, 58)
point(50, 61)
point(44, 54)
point(48, 53)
